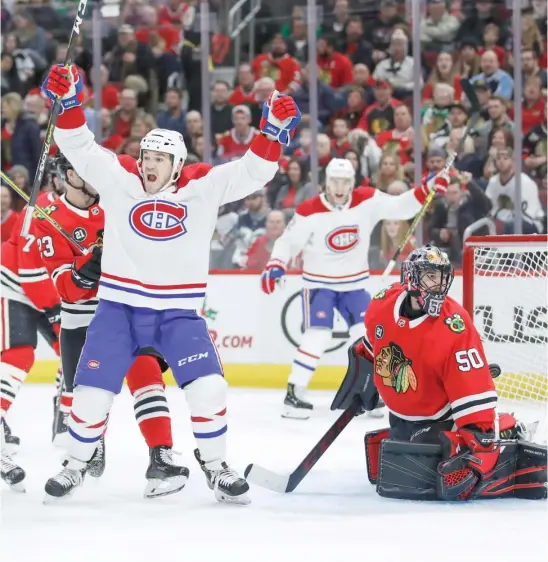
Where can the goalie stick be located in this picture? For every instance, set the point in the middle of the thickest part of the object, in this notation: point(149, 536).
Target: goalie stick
point(37, 183)
point(286, 483)
point(475, 109)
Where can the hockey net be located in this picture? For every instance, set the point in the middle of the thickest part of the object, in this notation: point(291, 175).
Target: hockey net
point(505, 291)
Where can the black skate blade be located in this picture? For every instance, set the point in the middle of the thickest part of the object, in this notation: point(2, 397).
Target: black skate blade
point(157, 488)
point(267, 479)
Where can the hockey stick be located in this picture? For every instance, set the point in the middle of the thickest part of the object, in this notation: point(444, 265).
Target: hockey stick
point(45, 215)
point(37, 183)
point(285, 483)
point(474, 118)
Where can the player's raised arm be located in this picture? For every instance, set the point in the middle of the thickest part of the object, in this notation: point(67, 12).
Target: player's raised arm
point(93, 163)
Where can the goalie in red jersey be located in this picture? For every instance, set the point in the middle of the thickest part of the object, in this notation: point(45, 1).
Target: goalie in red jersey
point(424, 357)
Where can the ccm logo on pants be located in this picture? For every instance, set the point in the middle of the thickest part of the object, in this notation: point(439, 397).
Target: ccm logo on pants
point(192, 358)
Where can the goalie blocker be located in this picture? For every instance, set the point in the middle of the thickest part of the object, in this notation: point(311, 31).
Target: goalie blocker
point(421, 464)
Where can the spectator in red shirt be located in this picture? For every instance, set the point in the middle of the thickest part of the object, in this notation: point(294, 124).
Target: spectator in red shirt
point(445, 72)
point(176, 12)
point(244, 91)
point(334, 68)
point(169, 33)
point(124, 116)
point(278, 65)
point(398, 140)
point(379, 117)
point(491, 38)
point(8, 217)
point(534, 105)
point(340, 143)
point(109, 93)
point(259, 252)
point(111, 140)
point(236, 141)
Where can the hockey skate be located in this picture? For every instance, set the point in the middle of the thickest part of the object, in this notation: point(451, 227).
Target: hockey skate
point(12, 474)
point(11, 442)
point(227, 485)
point(96, 465)
point(294, 405)
point(65, 483)
point(163, 475)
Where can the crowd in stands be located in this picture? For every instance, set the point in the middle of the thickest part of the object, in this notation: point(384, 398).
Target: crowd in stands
point(150, 77)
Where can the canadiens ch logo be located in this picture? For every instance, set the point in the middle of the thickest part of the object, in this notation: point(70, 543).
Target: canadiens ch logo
point(395, 369)
point(455, 323)
point(158, 220)
point(343, 238)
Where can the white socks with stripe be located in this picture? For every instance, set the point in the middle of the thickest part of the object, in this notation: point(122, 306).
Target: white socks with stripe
point(206, 398)
point(313, 344)
point(11, 379)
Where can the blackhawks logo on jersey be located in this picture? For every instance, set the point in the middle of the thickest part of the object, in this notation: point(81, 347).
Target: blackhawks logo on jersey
point(48, 211)
point(395, 369)
point(455, 323)
point(381, 294)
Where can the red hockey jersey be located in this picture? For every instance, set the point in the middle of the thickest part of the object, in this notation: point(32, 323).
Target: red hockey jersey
point(23, 275)
point(285, 71)
point(335, 70)
point(86, 226)
point(429, 368)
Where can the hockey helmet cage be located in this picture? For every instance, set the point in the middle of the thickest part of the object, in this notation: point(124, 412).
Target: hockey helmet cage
point(62, 166)
point(416, 274)
point(168, 142)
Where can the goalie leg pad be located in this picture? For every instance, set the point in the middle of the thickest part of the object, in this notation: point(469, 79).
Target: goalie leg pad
point(373, 440)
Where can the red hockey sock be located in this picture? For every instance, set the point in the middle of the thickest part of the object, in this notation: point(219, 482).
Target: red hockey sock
point(151, 410)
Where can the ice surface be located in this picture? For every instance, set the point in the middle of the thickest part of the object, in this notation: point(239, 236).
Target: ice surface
point(334, 514)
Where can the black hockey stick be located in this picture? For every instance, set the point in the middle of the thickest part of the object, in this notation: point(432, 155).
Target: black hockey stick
point(37, 183)
point(285, 483)
point(475, 109)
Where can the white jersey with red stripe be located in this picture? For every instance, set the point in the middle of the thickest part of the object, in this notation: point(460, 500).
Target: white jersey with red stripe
point(156, 247)
point(335, 240)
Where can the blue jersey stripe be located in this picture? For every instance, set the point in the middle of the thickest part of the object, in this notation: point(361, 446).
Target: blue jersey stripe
point(152, 295)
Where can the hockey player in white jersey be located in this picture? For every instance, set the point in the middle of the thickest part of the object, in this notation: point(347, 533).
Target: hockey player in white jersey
point(159, 220)
point(333, 231)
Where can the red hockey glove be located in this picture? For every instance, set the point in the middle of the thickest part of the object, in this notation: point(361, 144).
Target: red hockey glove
point(438, 183)
point(272, 276)
point(65, 83)
point(472, 455)
point(280, 117)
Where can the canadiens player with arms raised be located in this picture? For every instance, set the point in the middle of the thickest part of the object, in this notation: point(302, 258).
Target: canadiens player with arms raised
point(76, 278)
point(159, 220)
point(423, 355)
point(333, 231)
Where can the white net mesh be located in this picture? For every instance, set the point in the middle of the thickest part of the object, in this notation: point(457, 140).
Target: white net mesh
point(510, 290)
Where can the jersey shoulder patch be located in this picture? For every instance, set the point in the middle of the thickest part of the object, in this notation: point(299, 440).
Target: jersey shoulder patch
point(362, 194)
point(312, 207)
point(455, 317)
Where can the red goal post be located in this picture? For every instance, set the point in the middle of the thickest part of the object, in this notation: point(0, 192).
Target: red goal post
point(505, 291)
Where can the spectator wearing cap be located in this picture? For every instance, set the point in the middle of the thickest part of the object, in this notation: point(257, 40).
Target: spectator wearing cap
point(354, 46)
point(244, 91)
point(531, 68)
point(326, 99)
point(21, 144)
point(497, 110)
point(468, 61)
point(461, 205)
point(483, 95)
point(250, 226)
point(501, 190)
point(29, 34)
point(278, 65)
point(173, 116)
point(456, 120)
point(8, 217)
point(293, 188)
point(534, 152)
point(221, 110)
point(444, 72)
point(334, 68)
point(397, 69)
point(533, 107)
point(380, 30)
point(499, 81)
point(353, 111)
point(237, 140)
point(127, 112)
point(259, 252)
point(439, 28)
point(399, 140)
point(340, 143)
point(379, 116)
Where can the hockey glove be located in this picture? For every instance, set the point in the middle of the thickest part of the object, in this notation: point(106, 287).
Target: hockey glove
point(65, 83)
point(472, 455)
point(86, 270)
point(53, 315)
point(280, 117)
point(438, 183)
point(272, 276)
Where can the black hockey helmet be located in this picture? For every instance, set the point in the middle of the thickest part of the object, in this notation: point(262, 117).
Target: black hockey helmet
point(63, 165)
point(420, 274)
point(51, 178)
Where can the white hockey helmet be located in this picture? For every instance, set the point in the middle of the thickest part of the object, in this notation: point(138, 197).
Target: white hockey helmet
point(339, 179)
point(168, 142)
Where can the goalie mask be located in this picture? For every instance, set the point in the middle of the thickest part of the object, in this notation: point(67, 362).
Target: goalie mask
point(62, 167)
point(428, 275)
point(159, 175)
point(339, 181)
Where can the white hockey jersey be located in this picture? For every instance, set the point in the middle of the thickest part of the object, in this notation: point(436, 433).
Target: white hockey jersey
point(156, 247)
point(335, 241)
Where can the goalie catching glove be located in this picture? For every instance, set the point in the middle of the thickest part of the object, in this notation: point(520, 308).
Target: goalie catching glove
point(280, 117)
point(64, 83)
point(86, 270)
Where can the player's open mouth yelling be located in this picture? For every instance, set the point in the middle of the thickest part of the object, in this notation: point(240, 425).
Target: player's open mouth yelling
point(152, 177)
